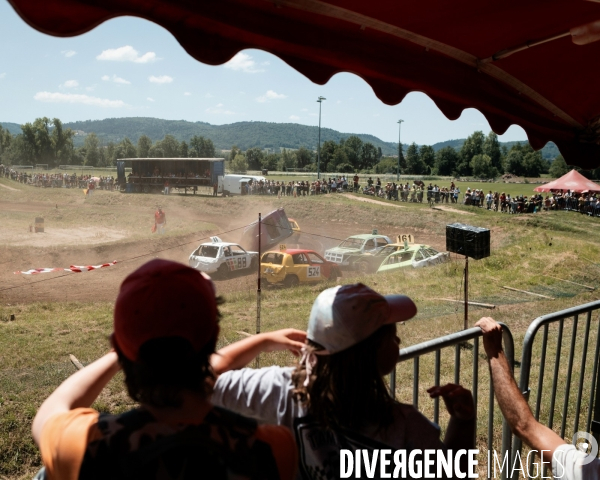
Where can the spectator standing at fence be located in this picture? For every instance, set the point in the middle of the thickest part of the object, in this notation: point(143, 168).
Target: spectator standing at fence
point(165, 330)
point(160, 220)
point(337, 391)
point(355, 180)
point(567, 461)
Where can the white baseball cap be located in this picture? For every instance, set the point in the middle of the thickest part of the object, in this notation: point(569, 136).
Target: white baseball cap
point(345, 315)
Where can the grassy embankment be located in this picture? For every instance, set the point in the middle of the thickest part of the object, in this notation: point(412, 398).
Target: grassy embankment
point(528, 251)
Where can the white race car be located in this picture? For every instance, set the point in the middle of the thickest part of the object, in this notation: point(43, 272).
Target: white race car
point(222, 258)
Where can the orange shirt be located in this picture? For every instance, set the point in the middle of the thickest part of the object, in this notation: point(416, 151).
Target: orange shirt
point(66, 436)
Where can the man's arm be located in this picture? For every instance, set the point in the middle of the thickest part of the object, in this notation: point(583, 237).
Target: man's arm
point(239, 354)
point(79, 390)
point(512, 403)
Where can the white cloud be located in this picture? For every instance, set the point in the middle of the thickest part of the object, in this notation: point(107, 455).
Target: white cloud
point(209, 95)
point(338, 102)
point(2, 75)
point(375, 114)
point(219, 110)
point(314, 114)
point(70, 84)
point(115, 79)
point(162, 79)
point(305, 109)
point(270, 95)
point(265, 63)
point(75, 98)
point(244, 63)
point(150, 99)
point(187, 94)
point(126, 54)
point(68, 53)
point(295, 118)
point(91, 88)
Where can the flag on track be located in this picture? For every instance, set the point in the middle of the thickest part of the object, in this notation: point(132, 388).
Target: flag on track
point(72, 268)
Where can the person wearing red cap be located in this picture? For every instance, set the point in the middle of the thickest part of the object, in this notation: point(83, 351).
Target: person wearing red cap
point(165, 330)
point(336, 398)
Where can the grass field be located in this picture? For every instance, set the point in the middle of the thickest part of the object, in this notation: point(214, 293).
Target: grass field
point(529, 252)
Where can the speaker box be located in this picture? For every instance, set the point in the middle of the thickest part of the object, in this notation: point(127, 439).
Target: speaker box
point(467, 240)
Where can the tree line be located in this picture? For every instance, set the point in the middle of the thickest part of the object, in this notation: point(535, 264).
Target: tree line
point(480, 156)
point(346, 156)
point(46, 141)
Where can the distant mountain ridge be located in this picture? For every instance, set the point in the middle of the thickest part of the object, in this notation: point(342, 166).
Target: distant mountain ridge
point(243, 134)
point(13, 128)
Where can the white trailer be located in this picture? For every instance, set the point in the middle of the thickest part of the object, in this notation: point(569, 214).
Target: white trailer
point(236, 184)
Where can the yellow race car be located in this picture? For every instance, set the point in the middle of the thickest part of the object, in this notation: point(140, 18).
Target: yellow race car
point(294, 225)
point(295, 266)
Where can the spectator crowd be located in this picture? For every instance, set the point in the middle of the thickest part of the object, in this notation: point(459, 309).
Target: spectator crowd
point(57, 180)
point(585, 203)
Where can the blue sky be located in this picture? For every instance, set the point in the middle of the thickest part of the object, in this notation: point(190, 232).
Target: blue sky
point(128, 67)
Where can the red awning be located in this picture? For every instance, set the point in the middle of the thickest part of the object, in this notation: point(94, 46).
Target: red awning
point(454, 51)
point(573, 181)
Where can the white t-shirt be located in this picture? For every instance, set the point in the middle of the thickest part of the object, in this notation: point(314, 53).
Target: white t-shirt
point(266, 394)
point(566, 465)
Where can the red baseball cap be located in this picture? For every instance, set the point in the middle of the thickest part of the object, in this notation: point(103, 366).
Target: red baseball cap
point(164, 299)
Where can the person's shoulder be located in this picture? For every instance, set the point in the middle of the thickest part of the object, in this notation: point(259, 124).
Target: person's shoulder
point(283, 446)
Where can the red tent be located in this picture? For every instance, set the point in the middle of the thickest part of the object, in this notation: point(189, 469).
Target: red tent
point(573, 181)
point(528, 62)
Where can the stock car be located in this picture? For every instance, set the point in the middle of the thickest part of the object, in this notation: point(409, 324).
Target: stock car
point(416, 256)
point(222, 258)
point(292, 267)
point(294, 225)
point(400, 255)
point(347, 253)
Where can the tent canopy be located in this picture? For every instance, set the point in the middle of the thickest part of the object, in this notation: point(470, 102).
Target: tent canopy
point(527, 62)
point(573, 181)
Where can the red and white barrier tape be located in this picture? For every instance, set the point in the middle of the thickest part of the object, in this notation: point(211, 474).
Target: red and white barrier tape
point(72, 268)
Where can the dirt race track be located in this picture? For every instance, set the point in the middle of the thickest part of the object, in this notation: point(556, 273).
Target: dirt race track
point(86, 244)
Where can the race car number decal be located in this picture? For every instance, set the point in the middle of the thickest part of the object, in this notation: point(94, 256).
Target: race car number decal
point(406, 238)
point(314, 272)
point(237, 263)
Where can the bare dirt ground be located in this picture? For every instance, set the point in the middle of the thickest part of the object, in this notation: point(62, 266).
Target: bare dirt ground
point(87, 244)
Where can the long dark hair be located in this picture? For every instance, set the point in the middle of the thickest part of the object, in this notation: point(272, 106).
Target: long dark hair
point(347, 389)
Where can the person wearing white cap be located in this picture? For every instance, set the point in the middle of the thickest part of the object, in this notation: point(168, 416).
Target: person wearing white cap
point(336, 397)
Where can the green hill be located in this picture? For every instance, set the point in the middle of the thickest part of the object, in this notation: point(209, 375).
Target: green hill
point(243, 134)
point(13, 128)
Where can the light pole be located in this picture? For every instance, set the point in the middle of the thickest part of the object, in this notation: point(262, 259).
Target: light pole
point(399, 147)
point(320, 100)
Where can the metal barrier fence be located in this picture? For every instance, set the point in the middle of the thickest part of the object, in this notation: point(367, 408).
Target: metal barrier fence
point(458, 341)
point(587, 384)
